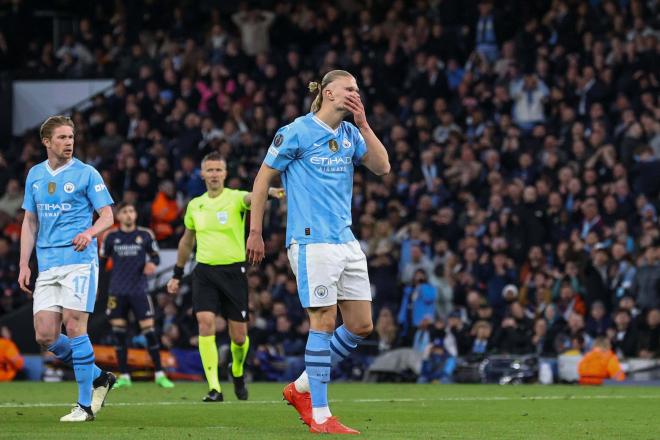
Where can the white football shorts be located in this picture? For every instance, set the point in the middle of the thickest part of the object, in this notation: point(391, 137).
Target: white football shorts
point(327, 273)
point(66, 287)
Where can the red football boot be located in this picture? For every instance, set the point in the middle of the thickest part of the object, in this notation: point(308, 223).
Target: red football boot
point(302, 402)
point(331, 426)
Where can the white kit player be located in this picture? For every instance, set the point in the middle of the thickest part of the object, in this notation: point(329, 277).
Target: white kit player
point(316, 155)
point(61, 195)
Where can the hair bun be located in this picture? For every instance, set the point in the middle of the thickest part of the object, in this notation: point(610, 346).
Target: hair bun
point(313, 86)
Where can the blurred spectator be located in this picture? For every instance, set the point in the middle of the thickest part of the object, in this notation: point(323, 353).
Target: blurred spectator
point(437, 364)
point(649, 335)
point(165, 213)
point(418, 261)
point(417, 304)
point(386, 330)
point(11, 361)
point(11, 200)
point(623, 334)
point(598, 321)
point(458, 334)
point(646, 284)
point(572, 336)
point(383, 276)
point(254, 25)
point(481, 335)
point(529, 95)
point(515, 335)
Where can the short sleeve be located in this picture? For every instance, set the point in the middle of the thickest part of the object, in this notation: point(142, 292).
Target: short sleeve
point(360, 146)
point(188, 218)
point(240, 198)
point(28, 196)
point(283, 149)
point(97, 192)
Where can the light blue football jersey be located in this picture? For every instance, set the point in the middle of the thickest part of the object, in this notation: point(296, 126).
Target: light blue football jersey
point(317, 165)
point(64, 201)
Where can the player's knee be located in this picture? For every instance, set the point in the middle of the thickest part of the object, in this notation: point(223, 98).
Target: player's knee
point(366, 330)
point(363, 329)
point(323, 319)
point(45, 339)
point(238, 339)
point(206, 327)
point(75, 327)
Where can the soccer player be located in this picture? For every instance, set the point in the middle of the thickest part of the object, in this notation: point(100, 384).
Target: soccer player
point(61, 195)
point(216, 220)
point(129, 246)
point(316, 155)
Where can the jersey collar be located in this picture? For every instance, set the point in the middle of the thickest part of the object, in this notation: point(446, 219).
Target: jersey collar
point(325, 126)
point(60, 169)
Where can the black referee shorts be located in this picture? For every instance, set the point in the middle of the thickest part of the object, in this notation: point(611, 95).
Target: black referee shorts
point(221, 288)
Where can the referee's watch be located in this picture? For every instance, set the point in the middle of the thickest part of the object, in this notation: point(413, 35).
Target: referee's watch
point(177, 272)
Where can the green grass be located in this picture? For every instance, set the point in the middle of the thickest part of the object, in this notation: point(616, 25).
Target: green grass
point(32, 410)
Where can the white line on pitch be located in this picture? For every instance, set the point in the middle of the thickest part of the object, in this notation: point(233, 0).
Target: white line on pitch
point(395, 400)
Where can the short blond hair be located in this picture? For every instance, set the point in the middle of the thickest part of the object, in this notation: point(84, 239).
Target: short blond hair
point(49, 126)
point(318, 88)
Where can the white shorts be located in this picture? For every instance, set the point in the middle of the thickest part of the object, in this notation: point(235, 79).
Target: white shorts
point(66, 287)
point(327, 273)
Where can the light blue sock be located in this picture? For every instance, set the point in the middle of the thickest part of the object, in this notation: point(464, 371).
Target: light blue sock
point(83, 367)
point(62, 350)
point(343, 343)
point(317, 365)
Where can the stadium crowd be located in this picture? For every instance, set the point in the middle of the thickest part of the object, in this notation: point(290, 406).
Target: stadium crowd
point(521, 213)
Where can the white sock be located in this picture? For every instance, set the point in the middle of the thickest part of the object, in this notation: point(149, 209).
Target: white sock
point(159, 374)
point(125, 376)
point(321, 414)
point(302, 383)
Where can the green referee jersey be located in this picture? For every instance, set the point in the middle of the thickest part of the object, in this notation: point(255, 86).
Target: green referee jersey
point(219, 225)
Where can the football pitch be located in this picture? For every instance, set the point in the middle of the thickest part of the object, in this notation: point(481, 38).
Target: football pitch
point(30, 410)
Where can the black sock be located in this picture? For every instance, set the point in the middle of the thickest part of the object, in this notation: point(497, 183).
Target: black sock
point(88, 409)
point(154, 347)
point(121, 345)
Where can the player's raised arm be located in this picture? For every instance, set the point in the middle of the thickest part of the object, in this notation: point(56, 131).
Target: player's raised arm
point(376, 158)
point(255, 241)
point(29, 231)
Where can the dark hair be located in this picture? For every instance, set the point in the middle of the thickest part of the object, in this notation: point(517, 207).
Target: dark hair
point(622, 310)
point(122, 205)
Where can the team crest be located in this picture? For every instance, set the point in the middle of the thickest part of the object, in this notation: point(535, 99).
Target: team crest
point(333, 145)
point(138, 240)
point(51, 188)
point(321, 291)
point(346, 143)
point(222, 217)
point(69, 187)
point(278, 140)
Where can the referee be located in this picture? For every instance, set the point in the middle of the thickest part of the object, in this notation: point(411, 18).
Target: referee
point(216, 220)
